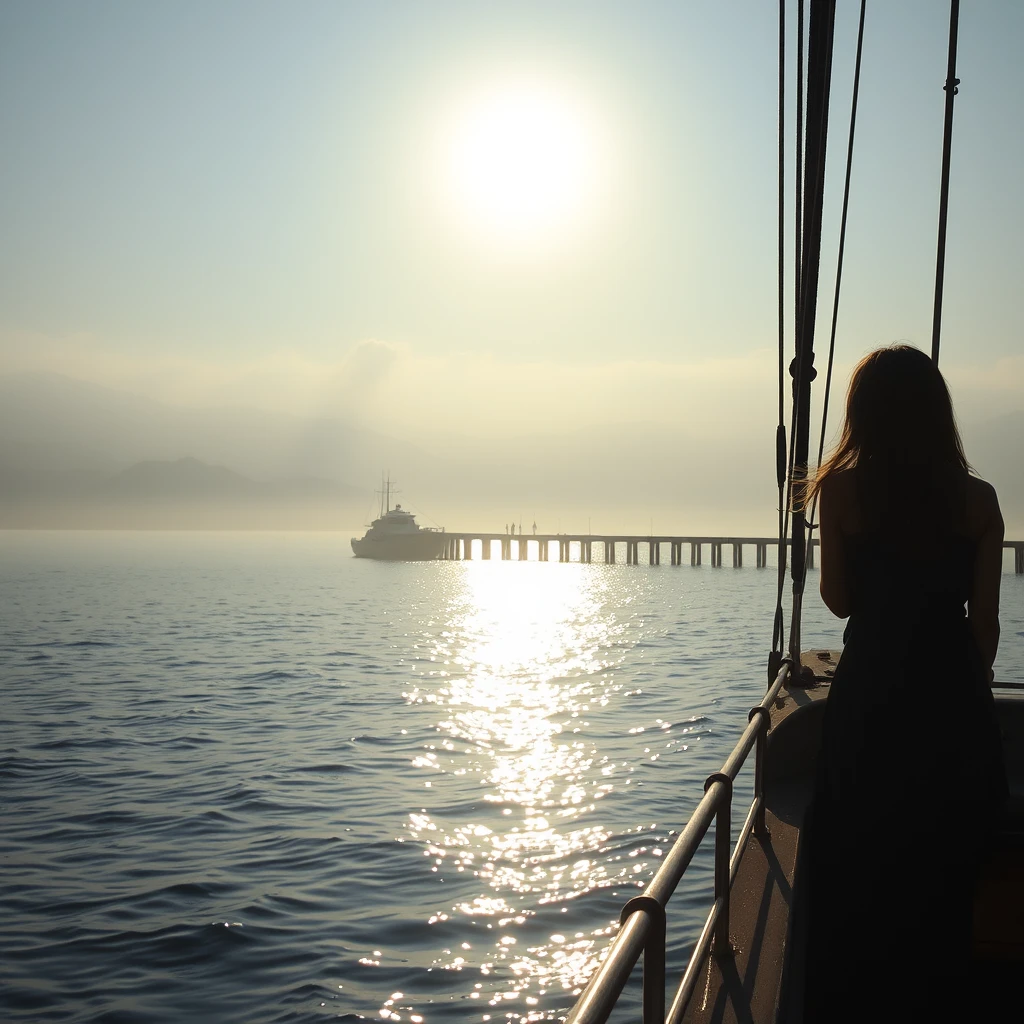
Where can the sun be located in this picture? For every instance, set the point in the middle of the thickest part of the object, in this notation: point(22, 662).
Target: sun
point(522, 162)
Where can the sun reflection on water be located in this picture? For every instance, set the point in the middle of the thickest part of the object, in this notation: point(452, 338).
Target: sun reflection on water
point(516, 674)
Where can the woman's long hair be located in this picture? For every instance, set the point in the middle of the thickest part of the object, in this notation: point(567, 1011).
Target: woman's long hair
point(899, 434)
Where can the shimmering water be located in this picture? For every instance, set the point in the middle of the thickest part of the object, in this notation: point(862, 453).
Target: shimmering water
point(246, 777)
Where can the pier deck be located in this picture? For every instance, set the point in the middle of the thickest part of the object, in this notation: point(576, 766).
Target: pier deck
point(580, 547)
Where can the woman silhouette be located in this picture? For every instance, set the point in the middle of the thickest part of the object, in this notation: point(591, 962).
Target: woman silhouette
point(910, 776)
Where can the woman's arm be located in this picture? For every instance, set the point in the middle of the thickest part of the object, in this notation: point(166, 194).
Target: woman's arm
point(832, 498)
point(983, 605)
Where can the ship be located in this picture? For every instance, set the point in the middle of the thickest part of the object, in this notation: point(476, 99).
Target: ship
point(395, 536)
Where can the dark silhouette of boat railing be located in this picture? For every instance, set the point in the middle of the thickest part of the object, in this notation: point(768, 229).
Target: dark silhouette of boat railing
point(643, 917)
point(459, 546)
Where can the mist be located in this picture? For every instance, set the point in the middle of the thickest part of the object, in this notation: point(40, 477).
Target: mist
point(471, 444)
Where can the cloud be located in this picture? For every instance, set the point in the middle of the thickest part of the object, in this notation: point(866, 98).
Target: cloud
point(463, 394)
point(367, 364)
point(987, 389)
point(489, 398)
point(684, 442)
point(473, 398)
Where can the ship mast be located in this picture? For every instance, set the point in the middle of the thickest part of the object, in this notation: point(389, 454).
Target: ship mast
point(819, 74)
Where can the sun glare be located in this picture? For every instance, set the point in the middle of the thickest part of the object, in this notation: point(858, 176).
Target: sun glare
point(522, 162)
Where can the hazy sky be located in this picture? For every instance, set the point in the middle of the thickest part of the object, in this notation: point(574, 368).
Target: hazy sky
point(500, 217)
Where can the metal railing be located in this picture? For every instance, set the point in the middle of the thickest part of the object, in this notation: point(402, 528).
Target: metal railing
point(643, 917)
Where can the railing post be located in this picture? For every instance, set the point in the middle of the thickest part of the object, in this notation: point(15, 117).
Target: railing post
point(654, 957)
point(723, 850)
point(597, 1000)
point(760, 828)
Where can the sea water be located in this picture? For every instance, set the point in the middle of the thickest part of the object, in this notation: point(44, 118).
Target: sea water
point(246, 777)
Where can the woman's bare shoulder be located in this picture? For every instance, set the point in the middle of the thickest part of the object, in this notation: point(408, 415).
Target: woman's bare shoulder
point(839, 487)
point(839, 499)
point(982, 506)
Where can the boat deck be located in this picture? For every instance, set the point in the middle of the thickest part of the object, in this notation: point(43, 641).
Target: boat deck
point(763, 982)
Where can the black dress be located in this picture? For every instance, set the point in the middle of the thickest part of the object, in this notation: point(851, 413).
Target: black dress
point(910, 784)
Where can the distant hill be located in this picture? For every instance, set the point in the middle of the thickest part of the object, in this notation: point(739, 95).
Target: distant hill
point(188, 480)
point(74, 453)
point(53, 423)
point(182, 493)
point(77, 454)
point(181, 480)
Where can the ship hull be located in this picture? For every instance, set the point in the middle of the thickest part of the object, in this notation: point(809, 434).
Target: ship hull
point(421, 547)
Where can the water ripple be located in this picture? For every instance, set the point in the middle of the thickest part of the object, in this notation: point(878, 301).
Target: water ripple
point(248, 778)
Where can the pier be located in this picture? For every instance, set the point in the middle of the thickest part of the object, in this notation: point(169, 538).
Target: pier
point(611, 548)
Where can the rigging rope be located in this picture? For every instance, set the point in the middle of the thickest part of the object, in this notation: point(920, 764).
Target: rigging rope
point(842, 248)
point(781, 456)
point(798, 170)
point(781, 233)
point(780, 431)
point(787, 498)
point(947, 140)
point(810, 189)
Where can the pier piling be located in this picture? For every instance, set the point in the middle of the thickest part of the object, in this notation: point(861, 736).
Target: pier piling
point(459, 546)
